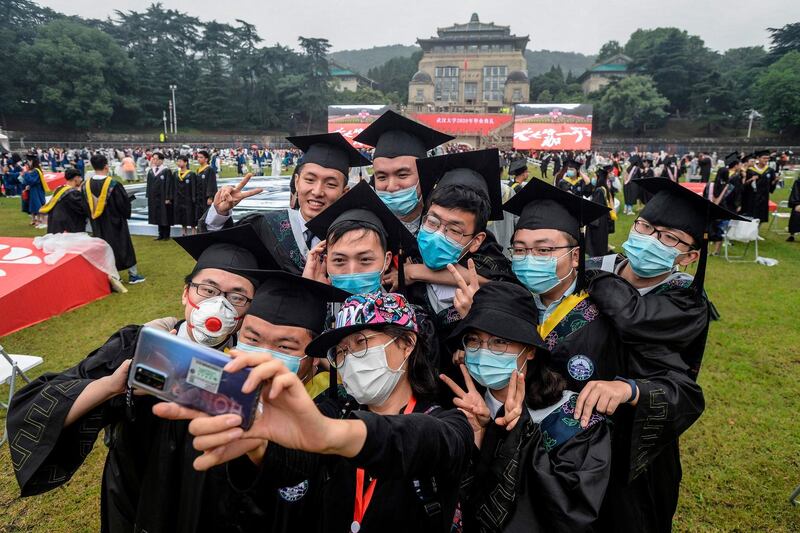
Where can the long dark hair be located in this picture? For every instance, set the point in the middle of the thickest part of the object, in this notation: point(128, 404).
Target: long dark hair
point(543, 386)
point(421, 374)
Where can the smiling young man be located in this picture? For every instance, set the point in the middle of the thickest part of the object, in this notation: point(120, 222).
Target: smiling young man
point(360, 237)
point(398, 143)
point(148, 481)
point(320, 181)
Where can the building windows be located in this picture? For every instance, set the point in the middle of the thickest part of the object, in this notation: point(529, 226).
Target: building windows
point(517, 96)
point(470, 92)
point(494, 82)
point(446, 84)
point(420, 95)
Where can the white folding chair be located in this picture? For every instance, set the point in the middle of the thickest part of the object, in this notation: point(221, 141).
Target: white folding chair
point(778, 214)
point(11, 366)
point(744, 232)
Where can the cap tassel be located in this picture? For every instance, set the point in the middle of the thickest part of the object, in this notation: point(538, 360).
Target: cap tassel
point(579, 285)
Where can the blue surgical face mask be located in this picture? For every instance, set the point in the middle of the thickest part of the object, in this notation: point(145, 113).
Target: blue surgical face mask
point(490, 370)
point(538, 274)
point(648, 256)
point(437, 252)
point(594, 181)
point(571, 173)
point(292, 362)
point(357, 283)
point(400, 202)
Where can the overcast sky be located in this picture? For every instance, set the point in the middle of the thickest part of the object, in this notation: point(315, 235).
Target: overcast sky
point(564, 25)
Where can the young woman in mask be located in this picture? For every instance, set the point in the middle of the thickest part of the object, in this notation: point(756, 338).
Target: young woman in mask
point(563, 468)
point(598, 230)
point(383, 457)
point(148, 481)
point(360, 237)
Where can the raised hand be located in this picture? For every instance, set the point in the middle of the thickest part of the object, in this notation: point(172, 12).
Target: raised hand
point(315, 264)
point(603, 397)
point(228, 197)
point(515, 402)
point(466, 289)
point(471, 403)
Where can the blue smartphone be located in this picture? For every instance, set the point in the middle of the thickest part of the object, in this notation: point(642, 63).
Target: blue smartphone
point(190, 374)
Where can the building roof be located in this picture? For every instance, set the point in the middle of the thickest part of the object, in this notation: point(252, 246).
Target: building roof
point(339, 71)
point(617, 64)
point(421, 77)
point(517, 76)
point(475, 31)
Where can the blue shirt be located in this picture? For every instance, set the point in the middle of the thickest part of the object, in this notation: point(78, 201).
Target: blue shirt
point(547, 310)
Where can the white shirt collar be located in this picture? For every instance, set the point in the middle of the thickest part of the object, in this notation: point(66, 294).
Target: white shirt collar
point(547, 310)
point(675, 274)
point(98, 177)
point(537, 415)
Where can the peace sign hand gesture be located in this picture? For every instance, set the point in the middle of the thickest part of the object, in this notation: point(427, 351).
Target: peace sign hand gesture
point(466, 290)
point(471, 403)
point(229, 196)
point(515, 402)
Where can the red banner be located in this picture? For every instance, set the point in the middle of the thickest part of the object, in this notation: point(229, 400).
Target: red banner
point(553, 127)
point(463, 123)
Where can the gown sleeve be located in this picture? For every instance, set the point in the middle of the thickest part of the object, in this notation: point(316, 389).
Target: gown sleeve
point(404, 446)
point(44, 453)
point(676, 316)
point(568, 483)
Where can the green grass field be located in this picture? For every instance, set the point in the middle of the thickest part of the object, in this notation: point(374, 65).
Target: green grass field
point(740, 461)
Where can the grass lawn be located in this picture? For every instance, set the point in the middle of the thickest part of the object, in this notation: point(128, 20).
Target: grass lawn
point(740, 460)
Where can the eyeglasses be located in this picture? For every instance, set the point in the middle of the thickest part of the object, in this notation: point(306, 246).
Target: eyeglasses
point(237, 299)
point(665, 237)
point(496, 345)
point(356, 345)
point(520, 252)
point(432, 224)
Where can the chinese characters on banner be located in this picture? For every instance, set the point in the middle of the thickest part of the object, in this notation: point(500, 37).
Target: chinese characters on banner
point(463, 123)
point(553, 126)
point(350, 120)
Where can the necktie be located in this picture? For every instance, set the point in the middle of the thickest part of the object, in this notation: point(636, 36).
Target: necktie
point(309, 236)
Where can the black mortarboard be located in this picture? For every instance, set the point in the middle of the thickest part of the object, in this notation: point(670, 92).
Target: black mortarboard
point(675, 206)
point(238, 250)
point(477, 169)
point(506, 310)
point(394, 135)
point(539, 205)
point(361, 204)
point(518, 166)
point(288, 300)
point(731, 159)
point(571, 163)
point(329, 150)
point(761, 153)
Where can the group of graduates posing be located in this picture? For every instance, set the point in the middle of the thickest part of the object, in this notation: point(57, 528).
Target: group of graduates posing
point(415, 378)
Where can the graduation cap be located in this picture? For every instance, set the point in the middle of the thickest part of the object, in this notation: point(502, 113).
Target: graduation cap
point(361, 204)
point(761, 153)
point(238, 250)
point(518, 166)
point(675, 206)
point(329, 150)
point(571, 163)
point(477, 170)
point(394, 135)
point(286, 299)
point(540, 205)
point(731, 159)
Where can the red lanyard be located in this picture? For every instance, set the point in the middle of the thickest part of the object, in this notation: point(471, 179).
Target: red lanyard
point(363, 499)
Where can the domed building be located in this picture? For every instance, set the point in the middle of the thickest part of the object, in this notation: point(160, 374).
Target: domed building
point(477, 67)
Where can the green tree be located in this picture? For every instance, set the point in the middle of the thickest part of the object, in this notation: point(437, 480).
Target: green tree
point(394, 75)
point(784, 40)
point(674, 59)
point(778, 95)
point(315, 92)
point(81, 74)
point(609, 50)
point(632, 103)
point(741, 68)
point(713, 101)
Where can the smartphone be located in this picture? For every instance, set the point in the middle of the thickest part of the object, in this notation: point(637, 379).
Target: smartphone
point(190, 374)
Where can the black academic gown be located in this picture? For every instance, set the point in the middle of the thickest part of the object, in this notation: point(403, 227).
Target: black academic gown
point(148, 483)
point(68, 214)
point(630, 190)
point(408, 454)
point(160, 190)
point(758, 197)
point(275, 230)
point(546, 477)
point(112, 224)
point(187, 200)
point(207, 185)
point(794, 201)
point(598, 230)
